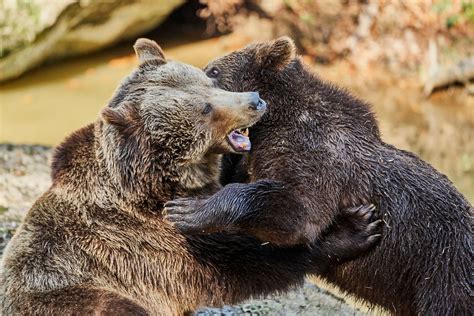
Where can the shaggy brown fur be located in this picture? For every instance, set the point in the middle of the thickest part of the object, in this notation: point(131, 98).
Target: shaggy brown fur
point(319, 149)
point(96, 243)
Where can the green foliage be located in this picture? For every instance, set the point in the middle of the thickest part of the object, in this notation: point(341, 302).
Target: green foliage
point(3, 209)
point(467, 163)
point(308, 18)
point(442, 6)
point(452, 21)
point(465, 14)
point(468, 11)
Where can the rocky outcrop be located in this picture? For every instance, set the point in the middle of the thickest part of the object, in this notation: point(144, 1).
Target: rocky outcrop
point(78, 27)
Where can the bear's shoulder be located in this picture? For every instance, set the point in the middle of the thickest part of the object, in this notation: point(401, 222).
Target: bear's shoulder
point(79, 145)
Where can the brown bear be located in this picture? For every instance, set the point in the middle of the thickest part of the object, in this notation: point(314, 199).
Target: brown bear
point(318, 149)
point(96, 242)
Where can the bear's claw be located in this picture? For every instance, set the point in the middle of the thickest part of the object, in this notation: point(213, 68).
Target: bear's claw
point(357, 230)
point(186, 216)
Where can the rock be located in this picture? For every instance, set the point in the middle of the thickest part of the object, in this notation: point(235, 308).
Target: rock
point(307, 300)
point(24, 176)
point(78, 27)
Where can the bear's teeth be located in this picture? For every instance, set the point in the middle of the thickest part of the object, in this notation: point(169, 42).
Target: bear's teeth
point(245, 131)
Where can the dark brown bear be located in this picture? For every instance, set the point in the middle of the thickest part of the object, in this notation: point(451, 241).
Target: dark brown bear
point(317, 150)
point(96, 243)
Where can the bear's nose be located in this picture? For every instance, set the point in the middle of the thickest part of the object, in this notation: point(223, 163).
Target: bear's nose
point(256, 103)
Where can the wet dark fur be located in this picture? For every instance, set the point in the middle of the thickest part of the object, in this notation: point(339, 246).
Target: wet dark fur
point(322, 150)
point(96, 242)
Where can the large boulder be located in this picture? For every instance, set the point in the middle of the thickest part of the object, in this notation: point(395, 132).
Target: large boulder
point(35, 31)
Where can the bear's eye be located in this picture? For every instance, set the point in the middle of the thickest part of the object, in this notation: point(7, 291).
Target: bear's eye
point(213, 72)
point(207, 109)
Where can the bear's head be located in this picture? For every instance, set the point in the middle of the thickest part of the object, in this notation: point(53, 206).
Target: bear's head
point(244, 68)
point(167, 118)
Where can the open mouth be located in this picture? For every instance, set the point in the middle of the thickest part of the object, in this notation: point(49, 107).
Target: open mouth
point(239, 139)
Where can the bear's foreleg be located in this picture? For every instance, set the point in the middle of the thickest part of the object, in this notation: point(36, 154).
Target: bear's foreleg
point(265, 209)
point(269, 211)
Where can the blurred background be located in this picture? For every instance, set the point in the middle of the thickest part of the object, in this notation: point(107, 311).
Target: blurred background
point(60, 61)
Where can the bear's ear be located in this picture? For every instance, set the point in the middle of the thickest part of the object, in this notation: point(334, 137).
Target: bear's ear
point(278, 53)
point(123, 116)
point(147, 49)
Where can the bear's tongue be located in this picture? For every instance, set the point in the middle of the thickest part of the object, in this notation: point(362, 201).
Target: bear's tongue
point(239, 140)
